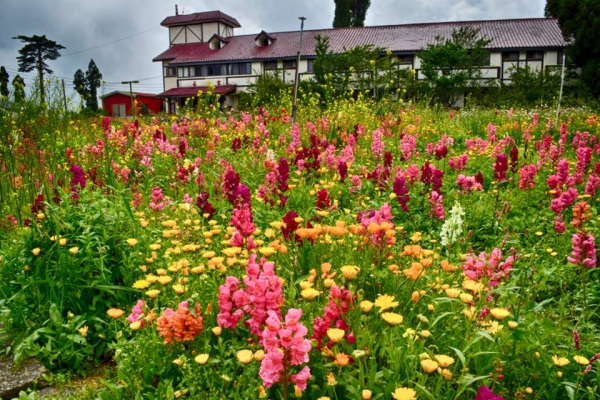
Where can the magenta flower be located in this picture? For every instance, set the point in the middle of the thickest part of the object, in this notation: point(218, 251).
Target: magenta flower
point(485, 393)
point(137, 312)
point(583, 250)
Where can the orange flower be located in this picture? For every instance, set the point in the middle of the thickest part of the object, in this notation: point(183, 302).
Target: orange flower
point(115, 312)
point(341, 359)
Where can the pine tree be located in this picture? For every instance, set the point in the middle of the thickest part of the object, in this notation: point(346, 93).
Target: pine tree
point(19, 89)
point(34, 54)
point(3, 82)
point(93, 79)
point(80, 84)
point(350, 12)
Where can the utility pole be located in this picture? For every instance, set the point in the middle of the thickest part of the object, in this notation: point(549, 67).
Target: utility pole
point(294, 104)
point(64, 93)
point(131, 95)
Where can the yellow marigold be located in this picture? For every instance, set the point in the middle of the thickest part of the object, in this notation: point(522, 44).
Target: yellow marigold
point(452, 292)
point(392, 318)
point(201, 358)
point(141, 284)
point(115, 312)
point(74, 250)
point(443, 360)
point(366, 306)
point(429, 366)
point(132, 242)
point(385, 302)
point(153, 293)
point(310, 293)
point(155, 246)
point(259, 355)
point(466, 298)
point(403, 393)
point(335, 334)
point(499, 313)
point(266, 251)
point(179, 289)
point(560, 361)
point(36, 251)
point(513, 324)
point(581, 360)
point(62, 241)
point(366, 394)
point(350, 271)
point(245, 356)
point(163, 280)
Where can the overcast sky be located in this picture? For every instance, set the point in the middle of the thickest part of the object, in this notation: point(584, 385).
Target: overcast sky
point(122, 36)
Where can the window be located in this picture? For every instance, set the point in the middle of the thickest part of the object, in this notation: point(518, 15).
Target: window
point(559, 57)
point(310, 65)
point(289, 64)
point(240, 69)
point(270, 65)
point(184, 72)
point(170, 71)
point(406, 59)
point(535, 55)
point(510, 56)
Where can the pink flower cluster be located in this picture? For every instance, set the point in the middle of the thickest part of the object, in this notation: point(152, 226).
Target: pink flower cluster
point(263, 293)
point(583, 251)
point(285, 345)
point(377, 144)
point(468, 183)
point(157, 199)
point(242, 221)
point(137, 312)
point(527, 175)
point(494, 269)
point(459, 163)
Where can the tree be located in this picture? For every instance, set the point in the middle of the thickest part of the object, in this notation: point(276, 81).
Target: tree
point(451, 64)
point(80, 84)
point(34, 54)
point(3, 82)
point(350, 13)
point(93, 79)
point(580, 24)
point(19, 89)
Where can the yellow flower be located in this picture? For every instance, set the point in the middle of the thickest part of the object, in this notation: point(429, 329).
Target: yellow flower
point(114, 312)
point(201, 358)
point(392, 318)
point(179, 289)
point(217, 330)
point(62, 241)
point(155, 246)
point(267, 251)
point(513, 324)
point(153, 293)
point(310, 293)
point(403, 393)
point(499, 313)
point(350, 271)
point(74, 250)
point(259, 355)
point(335, 334)
point(366, 306)
point(581, 360)
point(416, 237)
point(452, 292)
point(425, 334)
point(443, 360)
point(447, 374)
point(141, 284)
point(466, 298)
point(429, 366)
point(494, 327)
point(135, 325)
point(385, 302)
point(178, 362)
point(83, 330)
point(245, 356)
point(163, 280)
point(132, 242)
point(560, 361)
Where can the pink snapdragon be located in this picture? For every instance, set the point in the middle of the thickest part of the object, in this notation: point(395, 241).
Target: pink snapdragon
point(157, 199)
point(285, 346)
point(583, 251)
point(527, 176)
point(492, 268)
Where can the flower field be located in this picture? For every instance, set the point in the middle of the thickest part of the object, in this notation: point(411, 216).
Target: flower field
point(371, 251)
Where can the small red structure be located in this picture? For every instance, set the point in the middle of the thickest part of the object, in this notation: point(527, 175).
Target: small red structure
point(118, 103)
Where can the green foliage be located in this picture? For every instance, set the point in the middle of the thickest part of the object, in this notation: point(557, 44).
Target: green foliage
point(34, 54)
point(579, 22)
point(3, 82)
point(18, 89)
point(451, 64)
point(267, 89)
point(350, 13)
point(87, 85)
point(67, 270)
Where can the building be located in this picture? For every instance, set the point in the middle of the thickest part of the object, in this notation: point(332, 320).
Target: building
point(118, 103)
point(203, 50)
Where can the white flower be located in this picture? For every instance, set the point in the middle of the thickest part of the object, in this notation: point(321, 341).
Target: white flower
point(452, 227)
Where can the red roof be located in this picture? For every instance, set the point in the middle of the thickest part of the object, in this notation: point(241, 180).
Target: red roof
point(126, 93)
point(193, 91)
point(197, 18)
point(506, 34)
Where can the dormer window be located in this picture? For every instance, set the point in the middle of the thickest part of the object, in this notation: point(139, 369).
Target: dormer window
point(264, 39)
point(217, 42)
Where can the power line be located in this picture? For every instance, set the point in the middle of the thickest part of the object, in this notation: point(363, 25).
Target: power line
point(109, 43)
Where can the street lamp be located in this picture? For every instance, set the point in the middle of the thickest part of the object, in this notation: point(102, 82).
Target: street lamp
point(294, 104)
point(131, 96)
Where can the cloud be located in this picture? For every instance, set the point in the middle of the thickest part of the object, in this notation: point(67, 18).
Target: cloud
point(123, 36)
